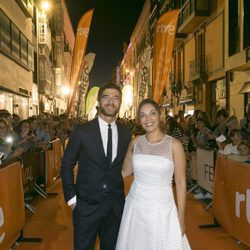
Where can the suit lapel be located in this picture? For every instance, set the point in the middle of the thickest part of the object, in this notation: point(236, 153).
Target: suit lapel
point(120, 144)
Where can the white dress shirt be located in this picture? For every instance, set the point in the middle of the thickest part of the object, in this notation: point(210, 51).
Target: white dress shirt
point(104, 134)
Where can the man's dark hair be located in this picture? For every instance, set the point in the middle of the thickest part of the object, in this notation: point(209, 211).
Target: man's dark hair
point(222, 112)
point(109, 85)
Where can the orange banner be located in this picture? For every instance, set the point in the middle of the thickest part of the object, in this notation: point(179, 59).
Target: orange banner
point(12, 213)
point(79, 51)
point(164, 36)
point(231, 197)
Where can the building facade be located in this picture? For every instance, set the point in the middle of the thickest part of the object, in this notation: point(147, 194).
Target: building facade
point(35, 56)
point(210, 63)
point(135, 69)
point(16, 56)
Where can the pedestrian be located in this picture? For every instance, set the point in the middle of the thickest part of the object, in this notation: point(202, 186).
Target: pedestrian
point(150, 219)
point(97, 196)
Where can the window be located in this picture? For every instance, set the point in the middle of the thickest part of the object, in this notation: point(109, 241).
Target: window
point(234, 40)
point(15, 41)
point(4, 31)
point(30, 56)
point(35, 68)
point(34, 23)
point(14, 44)
point(246, 24)
point(24, 49)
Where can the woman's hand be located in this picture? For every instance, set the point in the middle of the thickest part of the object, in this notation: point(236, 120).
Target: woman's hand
point(182, 225)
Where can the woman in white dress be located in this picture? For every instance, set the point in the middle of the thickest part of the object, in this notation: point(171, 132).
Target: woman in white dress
point(150, 218)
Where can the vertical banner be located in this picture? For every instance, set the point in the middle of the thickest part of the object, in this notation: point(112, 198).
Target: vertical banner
point(144, 74)
point(164, 36)
point(79, 51)
point(84, 83)
point(92, 103)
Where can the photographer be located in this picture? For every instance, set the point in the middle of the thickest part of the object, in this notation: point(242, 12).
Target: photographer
point(6, 152)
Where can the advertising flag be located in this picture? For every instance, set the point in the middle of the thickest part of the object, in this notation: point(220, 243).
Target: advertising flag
point(144, 74)
point(164, 36)
point(92, 103)
point(79, 51)
point(84, 82)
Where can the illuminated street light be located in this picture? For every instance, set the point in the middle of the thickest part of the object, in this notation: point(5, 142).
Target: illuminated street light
point(65, 90)
point(45, 5)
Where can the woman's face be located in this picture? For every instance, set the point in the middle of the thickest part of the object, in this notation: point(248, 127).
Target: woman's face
point(149, 118)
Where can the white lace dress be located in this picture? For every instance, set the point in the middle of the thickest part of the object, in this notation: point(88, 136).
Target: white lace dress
point(150, 218)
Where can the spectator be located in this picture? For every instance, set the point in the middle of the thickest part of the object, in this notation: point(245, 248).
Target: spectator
point(233, 123)
point(174, 129)
point(6, 144)
point(231, 148)
point(201, 140)
point(220, 128)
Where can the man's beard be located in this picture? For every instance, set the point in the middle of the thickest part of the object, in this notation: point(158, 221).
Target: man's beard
point(105, 112)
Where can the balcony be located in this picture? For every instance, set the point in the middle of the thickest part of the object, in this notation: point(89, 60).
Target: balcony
point(44, 34)
point(175, 82)
point(192, 14)
point(179, 37)
point(27, 7)
point(198, 70)
point(45, 87)
point(239, 61)
point(187, 97)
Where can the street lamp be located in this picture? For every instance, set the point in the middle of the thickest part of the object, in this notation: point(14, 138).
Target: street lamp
point(45, 6)
point(65, 90)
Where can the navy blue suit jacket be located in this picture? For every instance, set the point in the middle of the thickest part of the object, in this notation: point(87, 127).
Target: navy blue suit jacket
point(95, 180)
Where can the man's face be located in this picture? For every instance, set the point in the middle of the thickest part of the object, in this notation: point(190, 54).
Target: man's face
point(110, 102)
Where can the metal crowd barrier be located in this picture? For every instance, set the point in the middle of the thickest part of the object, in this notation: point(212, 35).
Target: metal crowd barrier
point(40, 169)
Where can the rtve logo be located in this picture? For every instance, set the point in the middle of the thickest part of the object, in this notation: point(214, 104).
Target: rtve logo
point(170, 29)
point(242, 198)
point(1, 224)
point(83, 32)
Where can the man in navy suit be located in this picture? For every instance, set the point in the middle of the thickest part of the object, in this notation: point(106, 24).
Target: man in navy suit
point(97, 197)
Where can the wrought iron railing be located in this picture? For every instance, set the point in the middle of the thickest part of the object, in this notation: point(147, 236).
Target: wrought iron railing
point(197, 68)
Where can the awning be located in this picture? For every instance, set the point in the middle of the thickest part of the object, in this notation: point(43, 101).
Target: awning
point(186, 102)
point(245, 88)
point(167, 105)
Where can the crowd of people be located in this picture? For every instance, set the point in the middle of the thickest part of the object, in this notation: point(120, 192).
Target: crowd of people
point(227, 135)
point(33, 134)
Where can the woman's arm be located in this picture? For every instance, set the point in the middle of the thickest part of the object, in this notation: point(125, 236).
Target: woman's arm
point(127, 168)
point(180, 180)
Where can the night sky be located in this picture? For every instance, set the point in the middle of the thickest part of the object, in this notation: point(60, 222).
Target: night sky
point(112, 24)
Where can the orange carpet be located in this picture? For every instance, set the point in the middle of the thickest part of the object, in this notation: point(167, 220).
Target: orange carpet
point(52, 222)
